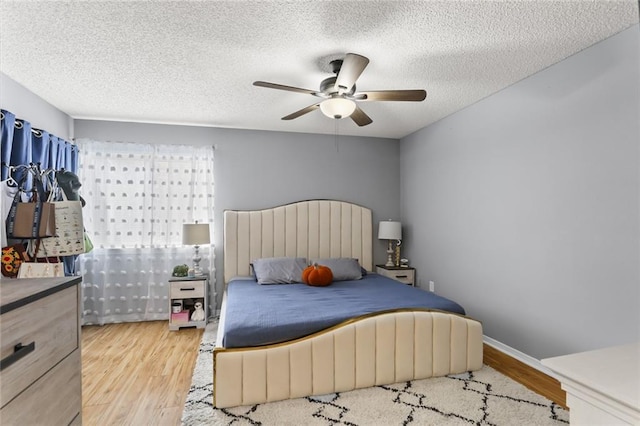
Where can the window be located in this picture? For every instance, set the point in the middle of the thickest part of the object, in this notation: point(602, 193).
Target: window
point(138, 196)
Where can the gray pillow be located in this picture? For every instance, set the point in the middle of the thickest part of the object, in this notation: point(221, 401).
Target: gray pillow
point(343, 268)
point(279, 270)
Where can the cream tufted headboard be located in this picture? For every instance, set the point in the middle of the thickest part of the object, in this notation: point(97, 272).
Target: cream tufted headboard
point(310, 229)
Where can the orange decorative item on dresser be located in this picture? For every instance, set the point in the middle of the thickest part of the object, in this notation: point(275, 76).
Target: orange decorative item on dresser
point(317, 275)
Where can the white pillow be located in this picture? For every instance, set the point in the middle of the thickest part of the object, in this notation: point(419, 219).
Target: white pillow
point(343, 268)
point(279, 270)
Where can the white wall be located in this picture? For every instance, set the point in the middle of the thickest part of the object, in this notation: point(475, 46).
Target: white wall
point(30, 107)
point(257, 169)
point(525, 206)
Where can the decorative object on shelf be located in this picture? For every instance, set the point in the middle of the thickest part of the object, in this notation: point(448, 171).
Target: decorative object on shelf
point(398, 244)
point(404, 263)
point(391, 230)
point(176, 306)
point(198, 312)
point(180, 271)
point(196, 234)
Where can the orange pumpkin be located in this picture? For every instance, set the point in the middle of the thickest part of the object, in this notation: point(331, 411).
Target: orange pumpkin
point(317, 275)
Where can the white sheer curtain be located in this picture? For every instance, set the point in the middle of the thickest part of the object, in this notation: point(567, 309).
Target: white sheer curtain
point(137, 198)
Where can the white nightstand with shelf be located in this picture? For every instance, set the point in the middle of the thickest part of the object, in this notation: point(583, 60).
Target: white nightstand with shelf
point(404, 275)
point(184, 292)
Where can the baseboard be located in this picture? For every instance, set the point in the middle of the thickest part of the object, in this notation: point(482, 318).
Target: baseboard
point(520, 356)
point(524, 369)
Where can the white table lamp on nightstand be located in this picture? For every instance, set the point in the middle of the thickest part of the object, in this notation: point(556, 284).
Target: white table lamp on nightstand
point(392, 231)
point(196, 234)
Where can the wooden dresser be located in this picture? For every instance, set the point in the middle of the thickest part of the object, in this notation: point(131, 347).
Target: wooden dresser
point(40, 367)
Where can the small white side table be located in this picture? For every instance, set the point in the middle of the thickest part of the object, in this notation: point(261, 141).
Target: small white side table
point(187, 291)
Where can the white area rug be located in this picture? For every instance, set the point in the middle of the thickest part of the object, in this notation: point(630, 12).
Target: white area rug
point(483, 397)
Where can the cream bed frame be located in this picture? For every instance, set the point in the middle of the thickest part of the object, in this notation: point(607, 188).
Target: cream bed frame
point(367, 351)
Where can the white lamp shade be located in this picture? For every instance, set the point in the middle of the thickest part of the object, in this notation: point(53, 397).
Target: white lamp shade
point(195, 234)
point(390, 230)
point(337, 107)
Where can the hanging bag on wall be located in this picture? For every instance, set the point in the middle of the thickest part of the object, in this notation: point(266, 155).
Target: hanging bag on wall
point(88, 244)
point(69, 229)
point(41, 270)
point(31, 220)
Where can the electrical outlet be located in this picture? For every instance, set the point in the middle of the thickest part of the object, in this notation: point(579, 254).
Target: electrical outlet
point(432, 286)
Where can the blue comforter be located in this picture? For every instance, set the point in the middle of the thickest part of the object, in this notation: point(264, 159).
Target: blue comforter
point(264, 314)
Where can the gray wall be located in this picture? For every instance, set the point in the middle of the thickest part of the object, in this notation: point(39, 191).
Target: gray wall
point(257, 169)
point(525, 206)
point(30, 107)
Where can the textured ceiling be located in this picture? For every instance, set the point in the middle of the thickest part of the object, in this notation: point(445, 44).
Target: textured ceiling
point(194, 62)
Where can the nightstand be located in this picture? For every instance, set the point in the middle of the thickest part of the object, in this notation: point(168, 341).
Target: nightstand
point(184, 293)
point(404, 275)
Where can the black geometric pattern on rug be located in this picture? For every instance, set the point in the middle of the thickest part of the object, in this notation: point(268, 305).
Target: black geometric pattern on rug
point(418, 401)
point(202, 394)
point(242, 416)
point(329, 409)
point(468, 378)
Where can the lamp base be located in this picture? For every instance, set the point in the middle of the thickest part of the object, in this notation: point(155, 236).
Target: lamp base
point(390, 255)
point(197, 270)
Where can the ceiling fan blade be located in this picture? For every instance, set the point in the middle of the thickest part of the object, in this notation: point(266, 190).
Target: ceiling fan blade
point(392, 95)
point(283, 87)
point(360, 118)
point(303, 111)
point(352, 67)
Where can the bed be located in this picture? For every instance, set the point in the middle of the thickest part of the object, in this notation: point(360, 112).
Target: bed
point(376, 346)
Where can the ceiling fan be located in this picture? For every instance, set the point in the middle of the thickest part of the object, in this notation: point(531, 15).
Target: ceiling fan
point(339, 92)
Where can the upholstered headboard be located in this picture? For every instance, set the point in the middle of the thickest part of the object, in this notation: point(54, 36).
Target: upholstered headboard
point(311, 229)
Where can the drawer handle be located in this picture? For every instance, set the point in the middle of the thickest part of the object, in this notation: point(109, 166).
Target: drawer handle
point(19, 351)
point(402, 276)
point(187, 288)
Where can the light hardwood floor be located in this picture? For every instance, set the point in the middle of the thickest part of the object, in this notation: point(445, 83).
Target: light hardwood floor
point(136, 373)
point(140, 373)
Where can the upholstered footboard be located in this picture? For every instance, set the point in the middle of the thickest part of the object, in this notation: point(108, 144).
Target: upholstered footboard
point(368, 351)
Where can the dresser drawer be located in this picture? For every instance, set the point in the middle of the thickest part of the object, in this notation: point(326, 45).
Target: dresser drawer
point(187, 289)
point(405, 276)
point(54, 399)
point(49, 324)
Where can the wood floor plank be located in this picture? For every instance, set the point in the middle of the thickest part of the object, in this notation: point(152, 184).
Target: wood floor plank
point(136, 373)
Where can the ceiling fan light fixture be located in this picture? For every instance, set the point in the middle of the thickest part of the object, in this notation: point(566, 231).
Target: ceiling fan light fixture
point(337, 107)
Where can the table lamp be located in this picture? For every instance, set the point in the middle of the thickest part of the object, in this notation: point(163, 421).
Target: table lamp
point(390, 230)
point(195, 234)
